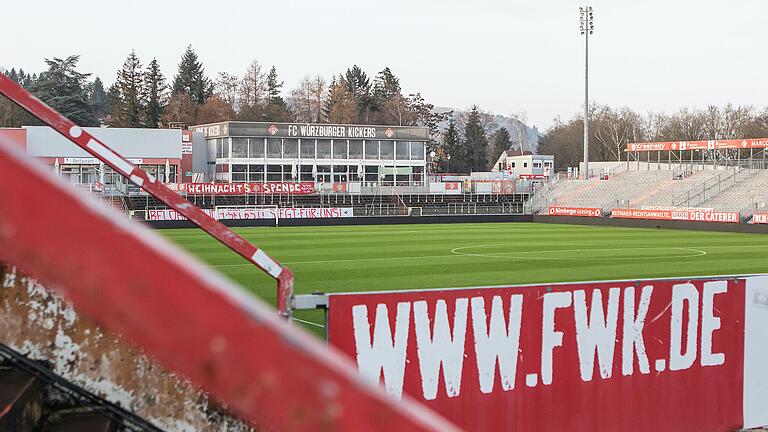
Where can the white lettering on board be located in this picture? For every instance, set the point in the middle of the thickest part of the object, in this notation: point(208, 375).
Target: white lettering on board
point(497, 341)
point(382, 354)
point(439, 347)
point(596, 335)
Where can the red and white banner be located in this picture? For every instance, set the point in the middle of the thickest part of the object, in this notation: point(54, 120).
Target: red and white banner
point(532, 176)
point(453, 187)
point(678, 215)
point(756, 143)
point(269, 188)
point(576, 211)
point(503, 187)
point(760, 218)
point(661, 355)
point(257, 213)
point(706, 209)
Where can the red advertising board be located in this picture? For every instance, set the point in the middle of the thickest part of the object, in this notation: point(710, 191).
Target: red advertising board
point(751, 143)
point(257, 213)
point(269, 188)
point(661, 355)
point(760, 218)
point(679, 215)
point(532, 176)
point(576, 211)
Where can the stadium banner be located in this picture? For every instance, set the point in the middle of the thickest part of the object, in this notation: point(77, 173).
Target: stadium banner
point(257, 213)
point(533, 176)
point(706, 209)
point(268, 188)
point(677, 215)
point(661, 355)
point(752, 143)
point(576, 211)
point(760, 218)
point(453, 188)
point(504, 187)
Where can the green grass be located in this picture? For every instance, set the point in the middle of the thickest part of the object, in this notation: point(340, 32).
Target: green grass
point(397, 257)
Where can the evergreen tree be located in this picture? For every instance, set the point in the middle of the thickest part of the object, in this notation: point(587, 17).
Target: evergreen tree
point(359, 85)
point(97, 98)
point(385, 87)
point(501, 141)
point(453, 147)
point(276, 109)
point(10, 114)
point(475, 141)
point(113, 102)
point(128, 105)
point(191, 78)
point(63, 88)
point(155, 95)
point(21, 78)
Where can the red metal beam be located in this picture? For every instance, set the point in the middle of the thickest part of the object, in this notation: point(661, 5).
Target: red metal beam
point(135, 283)
point(157, 189)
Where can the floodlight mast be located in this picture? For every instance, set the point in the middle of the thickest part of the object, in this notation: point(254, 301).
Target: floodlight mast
point(586, 28)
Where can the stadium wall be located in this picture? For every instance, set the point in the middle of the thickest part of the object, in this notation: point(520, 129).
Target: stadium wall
point(645, 223)
point(365, 220)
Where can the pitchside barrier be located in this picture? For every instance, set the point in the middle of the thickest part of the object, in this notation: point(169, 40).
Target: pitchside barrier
point(682, 354)
point(668, 214)
point(136, 284)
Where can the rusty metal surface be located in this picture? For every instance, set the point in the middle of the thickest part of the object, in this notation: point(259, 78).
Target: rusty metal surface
point(41, 325)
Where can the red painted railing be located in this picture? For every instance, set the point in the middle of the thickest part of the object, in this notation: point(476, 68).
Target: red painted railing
point(157, 189)
point(135, 283)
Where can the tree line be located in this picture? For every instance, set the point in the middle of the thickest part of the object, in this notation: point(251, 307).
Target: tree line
point(462, 142)
point(611, 129)
point(473, 141)
point(141, 97)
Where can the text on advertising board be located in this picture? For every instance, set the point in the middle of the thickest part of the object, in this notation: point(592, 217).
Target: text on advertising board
point(297, 188)
point(504, 358)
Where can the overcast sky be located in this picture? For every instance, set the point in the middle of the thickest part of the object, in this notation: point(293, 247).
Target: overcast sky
point(507, 56)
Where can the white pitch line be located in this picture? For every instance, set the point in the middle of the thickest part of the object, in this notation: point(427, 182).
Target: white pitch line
point(344, 260)
point(258, 236)
point(507, 254)
point(308, 322)
point(699, 252)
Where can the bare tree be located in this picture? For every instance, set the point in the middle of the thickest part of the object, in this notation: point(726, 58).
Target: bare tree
point(307, 99)
point(226, 87)
point(253, 92)
point(736, 121)
point(614, 129)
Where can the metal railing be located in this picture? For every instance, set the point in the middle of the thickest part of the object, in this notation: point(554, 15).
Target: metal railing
point(711, 188)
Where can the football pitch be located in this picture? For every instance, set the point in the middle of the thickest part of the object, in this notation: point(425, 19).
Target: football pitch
point(398, 257)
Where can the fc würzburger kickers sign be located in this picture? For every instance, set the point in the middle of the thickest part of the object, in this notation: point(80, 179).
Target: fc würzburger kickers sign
point(662, 355)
